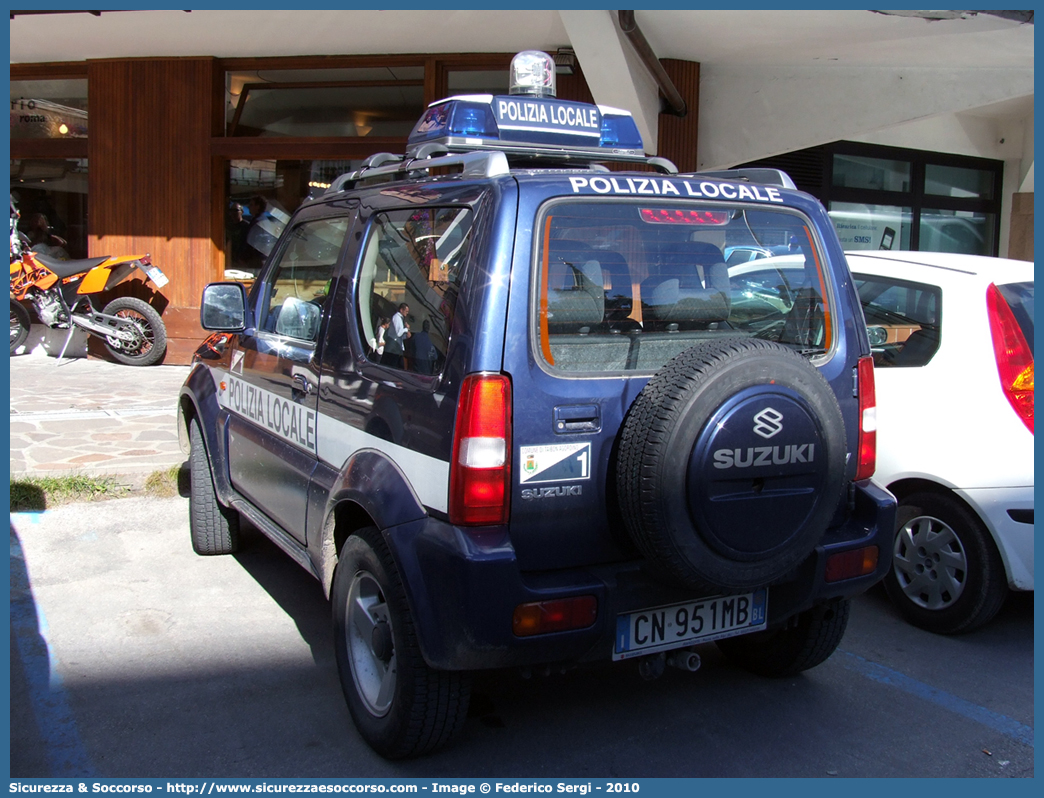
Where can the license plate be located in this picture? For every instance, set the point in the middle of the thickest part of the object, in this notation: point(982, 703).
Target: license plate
point(678, 625)
point(157, 276)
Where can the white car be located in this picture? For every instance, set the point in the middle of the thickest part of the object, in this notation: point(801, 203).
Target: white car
point(952, 337)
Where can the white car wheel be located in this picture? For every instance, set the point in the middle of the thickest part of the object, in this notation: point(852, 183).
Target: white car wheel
point(947, 575)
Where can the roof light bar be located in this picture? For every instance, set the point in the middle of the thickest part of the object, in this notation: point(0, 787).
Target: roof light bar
point(530, 121)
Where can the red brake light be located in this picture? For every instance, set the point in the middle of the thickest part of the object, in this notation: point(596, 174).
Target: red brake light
point(867, 419)
point(679, 216)
point(480, 474)
point(1014, 358)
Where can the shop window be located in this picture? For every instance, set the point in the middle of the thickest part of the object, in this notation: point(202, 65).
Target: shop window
point(49, 109)
point(956, 181)
point(478, 81)
point(880, 174)
point(891, 198)
point(263, 194)
point(861, 226)
point(886, 198)
point(957, 231)
point(353, 102)
point(51, 198)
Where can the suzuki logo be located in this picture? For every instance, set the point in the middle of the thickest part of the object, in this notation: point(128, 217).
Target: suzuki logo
point(768, 423)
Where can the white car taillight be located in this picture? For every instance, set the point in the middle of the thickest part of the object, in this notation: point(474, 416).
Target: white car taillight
point(1014, 357)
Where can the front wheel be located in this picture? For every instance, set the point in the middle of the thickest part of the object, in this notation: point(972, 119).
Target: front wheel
point(400, 706)
point(214, 527)
point(150, 340)
point(947, 576)
point(807, 641)
point(19, 325)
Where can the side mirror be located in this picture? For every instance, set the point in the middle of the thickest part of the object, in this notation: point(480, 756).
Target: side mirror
point(223, 308)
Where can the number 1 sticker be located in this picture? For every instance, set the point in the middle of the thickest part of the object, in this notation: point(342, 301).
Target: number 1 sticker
point(559, 462)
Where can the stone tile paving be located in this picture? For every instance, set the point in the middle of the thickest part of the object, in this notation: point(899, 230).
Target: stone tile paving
point(93, 417)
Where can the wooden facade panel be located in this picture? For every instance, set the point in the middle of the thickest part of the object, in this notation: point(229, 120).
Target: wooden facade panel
point(678, 135)
point(150, 172)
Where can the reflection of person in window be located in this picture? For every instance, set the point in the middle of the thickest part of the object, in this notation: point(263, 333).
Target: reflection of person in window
point(42, 240)
point(422, 351)
point(243, 256)
point(377, 343)
point(395, 338)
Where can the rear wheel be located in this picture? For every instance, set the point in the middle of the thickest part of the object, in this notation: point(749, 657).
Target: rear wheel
point(19, 325)
point(401, 707)
point(214, 527)
point(947, 576)
point(808, 641)
point(150, 340)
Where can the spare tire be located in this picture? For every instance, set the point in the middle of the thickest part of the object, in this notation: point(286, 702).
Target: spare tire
point(731, 464)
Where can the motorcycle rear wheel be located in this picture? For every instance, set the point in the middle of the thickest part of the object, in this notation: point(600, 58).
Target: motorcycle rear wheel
point(151, 343)
point(19, 325)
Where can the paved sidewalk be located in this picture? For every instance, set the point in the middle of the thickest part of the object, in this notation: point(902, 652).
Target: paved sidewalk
point(93, 417)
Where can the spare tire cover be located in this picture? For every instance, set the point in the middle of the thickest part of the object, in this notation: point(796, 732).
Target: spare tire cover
point(731, 464)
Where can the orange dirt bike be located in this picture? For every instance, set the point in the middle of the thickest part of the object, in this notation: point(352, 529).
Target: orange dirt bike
point(61, 293)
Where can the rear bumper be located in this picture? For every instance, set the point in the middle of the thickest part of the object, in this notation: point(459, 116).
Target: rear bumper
point(1008, 512)
point(463, 588)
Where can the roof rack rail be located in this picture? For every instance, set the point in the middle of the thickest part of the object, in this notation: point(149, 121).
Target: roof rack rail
point(765, 177)
point(474, 164)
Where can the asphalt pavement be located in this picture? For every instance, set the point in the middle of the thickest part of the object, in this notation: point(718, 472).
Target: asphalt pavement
point(93, 417)
point(134, 657)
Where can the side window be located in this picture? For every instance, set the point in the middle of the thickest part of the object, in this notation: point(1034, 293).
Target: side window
point(902, 320)
point(296, 288)
point(408, 282)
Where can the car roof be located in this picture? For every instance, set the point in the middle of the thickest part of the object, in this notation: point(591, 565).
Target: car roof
point(937, 267)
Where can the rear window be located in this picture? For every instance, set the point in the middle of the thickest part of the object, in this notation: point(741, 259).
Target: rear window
point(1019, 297)
point(626, 285)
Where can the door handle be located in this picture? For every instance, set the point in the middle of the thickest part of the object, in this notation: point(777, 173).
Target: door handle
point(299, 384)
point(577, 418)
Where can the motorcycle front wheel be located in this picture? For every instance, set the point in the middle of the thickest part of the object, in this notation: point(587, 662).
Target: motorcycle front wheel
point(149, 344)
point(19, 325)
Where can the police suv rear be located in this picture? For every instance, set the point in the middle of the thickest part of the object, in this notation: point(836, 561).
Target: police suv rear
point(583, 441)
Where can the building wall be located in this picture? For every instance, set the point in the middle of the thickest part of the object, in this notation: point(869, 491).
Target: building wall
point(1020, 242)
point(152, 180)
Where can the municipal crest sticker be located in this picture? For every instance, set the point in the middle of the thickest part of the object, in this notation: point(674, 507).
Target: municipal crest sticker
point(556, 462)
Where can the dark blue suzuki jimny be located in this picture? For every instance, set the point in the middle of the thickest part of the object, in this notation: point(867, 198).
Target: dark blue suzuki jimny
point(511, 408)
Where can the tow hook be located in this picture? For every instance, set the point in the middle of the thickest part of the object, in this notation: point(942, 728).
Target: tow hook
point(653, 666)
point(684, 660)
